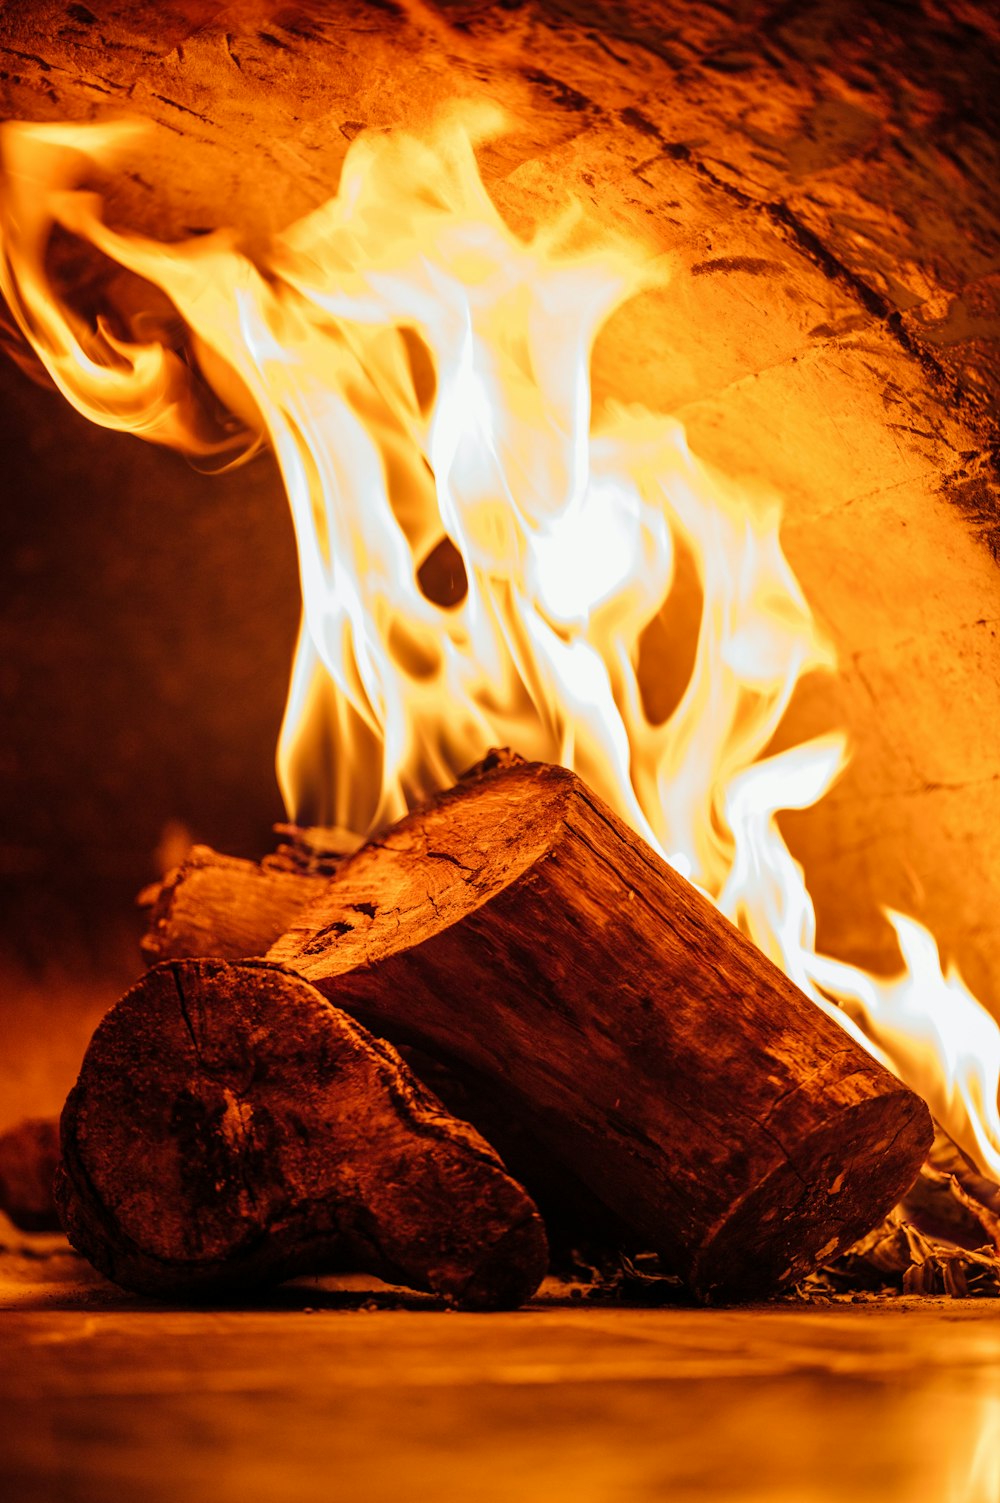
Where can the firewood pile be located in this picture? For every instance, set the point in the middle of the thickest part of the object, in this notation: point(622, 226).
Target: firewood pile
point(501, 1034)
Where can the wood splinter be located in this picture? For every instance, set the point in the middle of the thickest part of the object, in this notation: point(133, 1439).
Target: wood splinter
point(230, 1129)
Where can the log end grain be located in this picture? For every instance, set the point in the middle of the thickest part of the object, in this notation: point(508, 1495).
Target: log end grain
point(468, 846)
point(230, 1128)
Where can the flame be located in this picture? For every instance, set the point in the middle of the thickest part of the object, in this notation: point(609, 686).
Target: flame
point(422, 374)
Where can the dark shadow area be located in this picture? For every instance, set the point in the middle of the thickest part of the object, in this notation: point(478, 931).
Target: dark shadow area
point(147, 625)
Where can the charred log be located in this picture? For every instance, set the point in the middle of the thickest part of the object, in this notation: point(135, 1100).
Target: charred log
point(952, 1201)
point(897, 1256)
point(230, 1129)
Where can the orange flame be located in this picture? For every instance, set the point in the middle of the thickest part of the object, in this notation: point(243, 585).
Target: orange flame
point(422, 374)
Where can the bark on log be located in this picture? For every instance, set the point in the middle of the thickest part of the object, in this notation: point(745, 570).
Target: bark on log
point(518, 927)
point(231, 1129)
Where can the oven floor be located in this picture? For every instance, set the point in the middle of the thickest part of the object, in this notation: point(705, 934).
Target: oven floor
point(326, 1394)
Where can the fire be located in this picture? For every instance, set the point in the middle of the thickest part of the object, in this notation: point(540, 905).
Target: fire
point(422, 374)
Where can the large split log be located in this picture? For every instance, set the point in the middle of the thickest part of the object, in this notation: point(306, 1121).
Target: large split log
point(517, 927)
point(230, 1129)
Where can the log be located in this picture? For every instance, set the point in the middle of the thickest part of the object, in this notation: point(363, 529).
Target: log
point(837, 338)
point(516, 927)
point(223, 907)
point(229, 908)
point(230, 1129)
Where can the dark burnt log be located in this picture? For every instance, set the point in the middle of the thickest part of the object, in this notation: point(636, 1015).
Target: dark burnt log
point(230, 1129)
point(29, 1154)
point(517, 927)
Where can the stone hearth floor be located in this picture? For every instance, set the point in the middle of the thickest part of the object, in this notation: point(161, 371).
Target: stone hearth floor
point(327, 1392)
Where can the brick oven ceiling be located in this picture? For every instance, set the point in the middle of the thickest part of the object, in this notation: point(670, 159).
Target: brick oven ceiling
point(823, 179)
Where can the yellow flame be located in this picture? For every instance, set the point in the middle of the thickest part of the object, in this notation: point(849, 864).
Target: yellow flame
point(422, 374)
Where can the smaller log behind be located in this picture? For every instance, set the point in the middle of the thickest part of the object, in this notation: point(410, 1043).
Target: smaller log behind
point(223, 907)
point(516, 926)
point(231, 1129)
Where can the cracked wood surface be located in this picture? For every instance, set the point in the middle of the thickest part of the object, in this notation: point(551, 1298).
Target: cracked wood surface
point(820, 177)
point(230, 1129)
point(515, 928)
